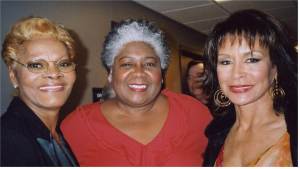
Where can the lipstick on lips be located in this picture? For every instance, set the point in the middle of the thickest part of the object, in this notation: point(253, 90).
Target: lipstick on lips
point(138, 87)
point(240, 88)
point(52, 88)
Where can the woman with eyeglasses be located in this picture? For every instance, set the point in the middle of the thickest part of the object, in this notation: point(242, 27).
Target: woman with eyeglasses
point(39, 55)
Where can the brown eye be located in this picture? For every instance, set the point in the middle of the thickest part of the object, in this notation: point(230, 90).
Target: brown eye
point(65, 64)
point(35, 66)
point(126, 65)
point(252, 60)
point(150, 64)
point(224, 62)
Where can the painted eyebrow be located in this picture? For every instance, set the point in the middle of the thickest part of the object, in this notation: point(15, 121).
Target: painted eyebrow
point(124, 57)
point(251, 53)
point(146, 58)
point(244, 54)
point(224, 55)
point(152, 57)
point(37, 58)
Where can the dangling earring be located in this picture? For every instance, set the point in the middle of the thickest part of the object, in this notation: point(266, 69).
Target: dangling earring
point(277, 91)
point(220, 99)
point(109, 78)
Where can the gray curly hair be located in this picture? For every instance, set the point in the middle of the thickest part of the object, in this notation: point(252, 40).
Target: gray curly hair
point(131, 30)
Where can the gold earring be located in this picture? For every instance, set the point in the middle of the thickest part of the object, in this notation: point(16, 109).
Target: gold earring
point(277, 91)
point(220, 99)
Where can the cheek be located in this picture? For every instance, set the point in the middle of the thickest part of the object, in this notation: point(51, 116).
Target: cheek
point(70, 78)
point(156, 76)
point(118, 76)
point(26, 79)
point(118, 80)
point(222, 75)
point(262, 74)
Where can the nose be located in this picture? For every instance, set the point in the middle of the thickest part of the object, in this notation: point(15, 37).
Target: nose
point(139, 69)
point(238, 70)
point(53, 72)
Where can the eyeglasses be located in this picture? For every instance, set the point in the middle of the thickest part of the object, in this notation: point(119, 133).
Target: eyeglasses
point(42, 66)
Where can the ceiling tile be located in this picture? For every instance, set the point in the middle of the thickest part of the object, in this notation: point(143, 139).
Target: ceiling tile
point(283, 12)
point(264, 5)
point(197, 14)
point(206, 25)
point(202, 15)
point(233, 6)
point(169, 5)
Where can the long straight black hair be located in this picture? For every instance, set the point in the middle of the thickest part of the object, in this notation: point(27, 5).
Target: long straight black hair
point(251, 25)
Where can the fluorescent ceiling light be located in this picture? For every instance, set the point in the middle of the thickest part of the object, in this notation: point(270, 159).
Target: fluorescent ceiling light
point(221, 0)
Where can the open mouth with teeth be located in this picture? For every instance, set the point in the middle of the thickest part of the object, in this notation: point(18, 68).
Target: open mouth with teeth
point(138, 87)
point(52, 88)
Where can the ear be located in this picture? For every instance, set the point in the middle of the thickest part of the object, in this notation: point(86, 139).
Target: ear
point(13, 77)
point(274, 72)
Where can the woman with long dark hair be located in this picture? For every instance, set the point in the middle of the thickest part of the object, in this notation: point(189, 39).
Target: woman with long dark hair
point(252, 83)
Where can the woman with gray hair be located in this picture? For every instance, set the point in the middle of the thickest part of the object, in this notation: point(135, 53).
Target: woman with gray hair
point(142, 125)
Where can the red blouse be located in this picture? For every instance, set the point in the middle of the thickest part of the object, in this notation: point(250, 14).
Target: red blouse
point(181, 141)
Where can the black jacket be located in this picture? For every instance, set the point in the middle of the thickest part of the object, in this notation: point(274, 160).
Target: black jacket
point(26, 141)
point(218, 129)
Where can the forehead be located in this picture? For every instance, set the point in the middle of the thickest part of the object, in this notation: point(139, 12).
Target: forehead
point(44, 48)
point(197, 68)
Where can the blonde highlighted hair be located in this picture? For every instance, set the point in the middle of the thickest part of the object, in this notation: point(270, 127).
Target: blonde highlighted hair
point(32, 28)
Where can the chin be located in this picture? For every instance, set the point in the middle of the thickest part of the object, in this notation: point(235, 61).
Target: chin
point(241, 102)
point(54, 103)
point(138, 103)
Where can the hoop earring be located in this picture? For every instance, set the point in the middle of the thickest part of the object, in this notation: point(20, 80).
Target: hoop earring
point(220, 99)
point(277, 91)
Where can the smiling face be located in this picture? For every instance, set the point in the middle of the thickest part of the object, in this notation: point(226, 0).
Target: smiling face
point(244, 75)
point(136, 75)
point(42, 91)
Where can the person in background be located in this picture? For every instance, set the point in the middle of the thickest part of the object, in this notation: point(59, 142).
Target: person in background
point(194, 79)
point(252, 79)
point(142, 125)
point(39, 55)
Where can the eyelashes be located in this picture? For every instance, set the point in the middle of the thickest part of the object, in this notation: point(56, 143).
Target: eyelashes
point(145, 65)
point(228, 61)
point(252, 60)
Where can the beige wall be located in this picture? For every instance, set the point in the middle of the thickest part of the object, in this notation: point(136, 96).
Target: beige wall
point(90, 21)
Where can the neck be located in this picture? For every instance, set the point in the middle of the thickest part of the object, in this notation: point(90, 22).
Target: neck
point(49, 118)
point(255, 114)
point(138, 111)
